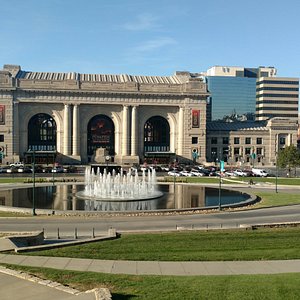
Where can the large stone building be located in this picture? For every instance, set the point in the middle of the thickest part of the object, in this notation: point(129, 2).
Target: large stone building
point(93, 118)
point(66, 117)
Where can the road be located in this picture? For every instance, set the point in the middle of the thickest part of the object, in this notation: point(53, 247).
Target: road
point(101, 224)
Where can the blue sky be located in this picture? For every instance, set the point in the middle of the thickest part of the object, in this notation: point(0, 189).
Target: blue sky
point(153, 37)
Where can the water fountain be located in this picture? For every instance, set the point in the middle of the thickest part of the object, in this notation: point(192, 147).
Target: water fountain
point(119, 187)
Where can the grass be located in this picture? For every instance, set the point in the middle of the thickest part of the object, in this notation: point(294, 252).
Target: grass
point(263, 244)
point(125, 287)
point(206, 179)
point(12, 180)
point(276, 199)
point(7, 214)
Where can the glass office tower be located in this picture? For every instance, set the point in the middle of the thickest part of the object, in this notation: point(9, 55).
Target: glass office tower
point(231, 98)
point(233, 92)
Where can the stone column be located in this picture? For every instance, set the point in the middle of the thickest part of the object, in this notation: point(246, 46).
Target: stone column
point(66, 145)
point(76, 136)
point(134, 131)
point(125, 131)
point(180, 131)
point(16, 129)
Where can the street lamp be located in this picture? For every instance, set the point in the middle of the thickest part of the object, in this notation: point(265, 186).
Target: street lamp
point(276, 179)
point(174, 180)
point(220, 181)
point(33, 180)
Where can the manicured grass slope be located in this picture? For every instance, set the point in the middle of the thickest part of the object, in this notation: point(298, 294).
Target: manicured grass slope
point(192, 246)
point(280, 286)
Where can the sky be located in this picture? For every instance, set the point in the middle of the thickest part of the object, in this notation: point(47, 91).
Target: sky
point(149, 37)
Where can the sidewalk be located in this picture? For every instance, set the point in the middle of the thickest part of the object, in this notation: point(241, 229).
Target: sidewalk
point(156, 267)
point(20, 286)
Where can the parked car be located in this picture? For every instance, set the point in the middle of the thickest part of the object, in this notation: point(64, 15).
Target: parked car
point(197, 173)
point(259, 172)
point(205, 172)
point(24, 170)
point(12, 169)
point(174, 173)
point(58, 170)
point(186, 173)
point(17, 164)
point(229, 173)
point(240, 173)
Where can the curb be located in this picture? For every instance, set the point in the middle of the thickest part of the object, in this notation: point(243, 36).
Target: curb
point(100, 293)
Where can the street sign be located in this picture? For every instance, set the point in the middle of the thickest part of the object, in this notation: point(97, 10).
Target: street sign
point(222, 168)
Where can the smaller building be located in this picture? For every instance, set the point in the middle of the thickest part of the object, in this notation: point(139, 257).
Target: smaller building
point(246, 144)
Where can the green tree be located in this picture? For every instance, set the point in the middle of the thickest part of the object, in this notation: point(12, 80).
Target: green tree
point(288, 158)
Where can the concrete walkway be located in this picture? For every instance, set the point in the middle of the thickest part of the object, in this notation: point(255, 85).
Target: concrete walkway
point(156, 267)
point(17, 286)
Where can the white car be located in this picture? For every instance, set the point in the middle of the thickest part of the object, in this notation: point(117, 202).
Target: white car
point(259, 172)
point(197, 173)
point(240, 173)
point(186, 173)
point(17, 164)
point(174, 173)
point(229, 173)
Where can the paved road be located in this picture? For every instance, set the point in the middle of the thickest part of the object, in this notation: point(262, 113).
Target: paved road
point(100, 224)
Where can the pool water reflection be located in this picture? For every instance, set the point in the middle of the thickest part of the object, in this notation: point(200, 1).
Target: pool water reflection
point(63, 197)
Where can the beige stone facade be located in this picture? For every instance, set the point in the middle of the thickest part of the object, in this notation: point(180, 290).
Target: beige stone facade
point(237, 142)
point(73, 99)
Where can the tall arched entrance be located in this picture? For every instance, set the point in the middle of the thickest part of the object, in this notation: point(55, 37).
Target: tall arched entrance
point(157, 140)
point(41, 139)
point(101, 134)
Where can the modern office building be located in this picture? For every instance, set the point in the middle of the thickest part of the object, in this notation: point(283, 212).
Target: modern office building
point(232, 92)
point(277, 97)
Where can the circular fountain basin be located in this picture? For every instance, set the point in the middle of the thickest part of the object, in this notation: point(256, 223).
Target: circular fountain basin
point(64, 198)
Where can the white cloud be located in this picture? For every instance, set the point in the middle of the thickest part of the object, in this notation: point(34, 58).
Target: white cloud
point(155, 44)
point(142, 22)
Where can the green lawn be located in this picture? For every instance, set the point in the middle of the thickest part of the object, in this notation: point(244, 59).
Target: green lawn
point(125, 287)
point(262, 244)
point(5, 214)
point(228, 180)
point(276, 199)
point(12, 180)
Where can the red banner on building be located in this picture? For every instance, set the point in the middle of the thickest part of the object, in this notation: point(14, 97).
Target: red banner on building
point(2, 114)
point(195, 118)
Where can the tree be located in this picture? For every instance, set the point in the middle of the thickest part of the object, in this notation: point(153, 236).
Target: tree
point(288, 158)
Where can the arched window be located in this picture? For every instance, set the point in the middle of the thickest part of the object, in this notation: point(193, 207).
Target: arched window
point(101, 133)
point(42, 133)
point(157, 135)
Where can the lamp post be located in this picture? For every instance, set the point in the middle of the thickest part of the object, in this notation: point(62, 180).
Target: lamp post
point(220, 181)
point(174, 180)
point(33, 180)
point(53, 170)
point(276, 179)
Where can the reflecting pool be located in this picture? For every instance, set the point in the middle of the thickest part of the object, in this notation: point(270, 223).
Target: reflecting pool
point(63, 197)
